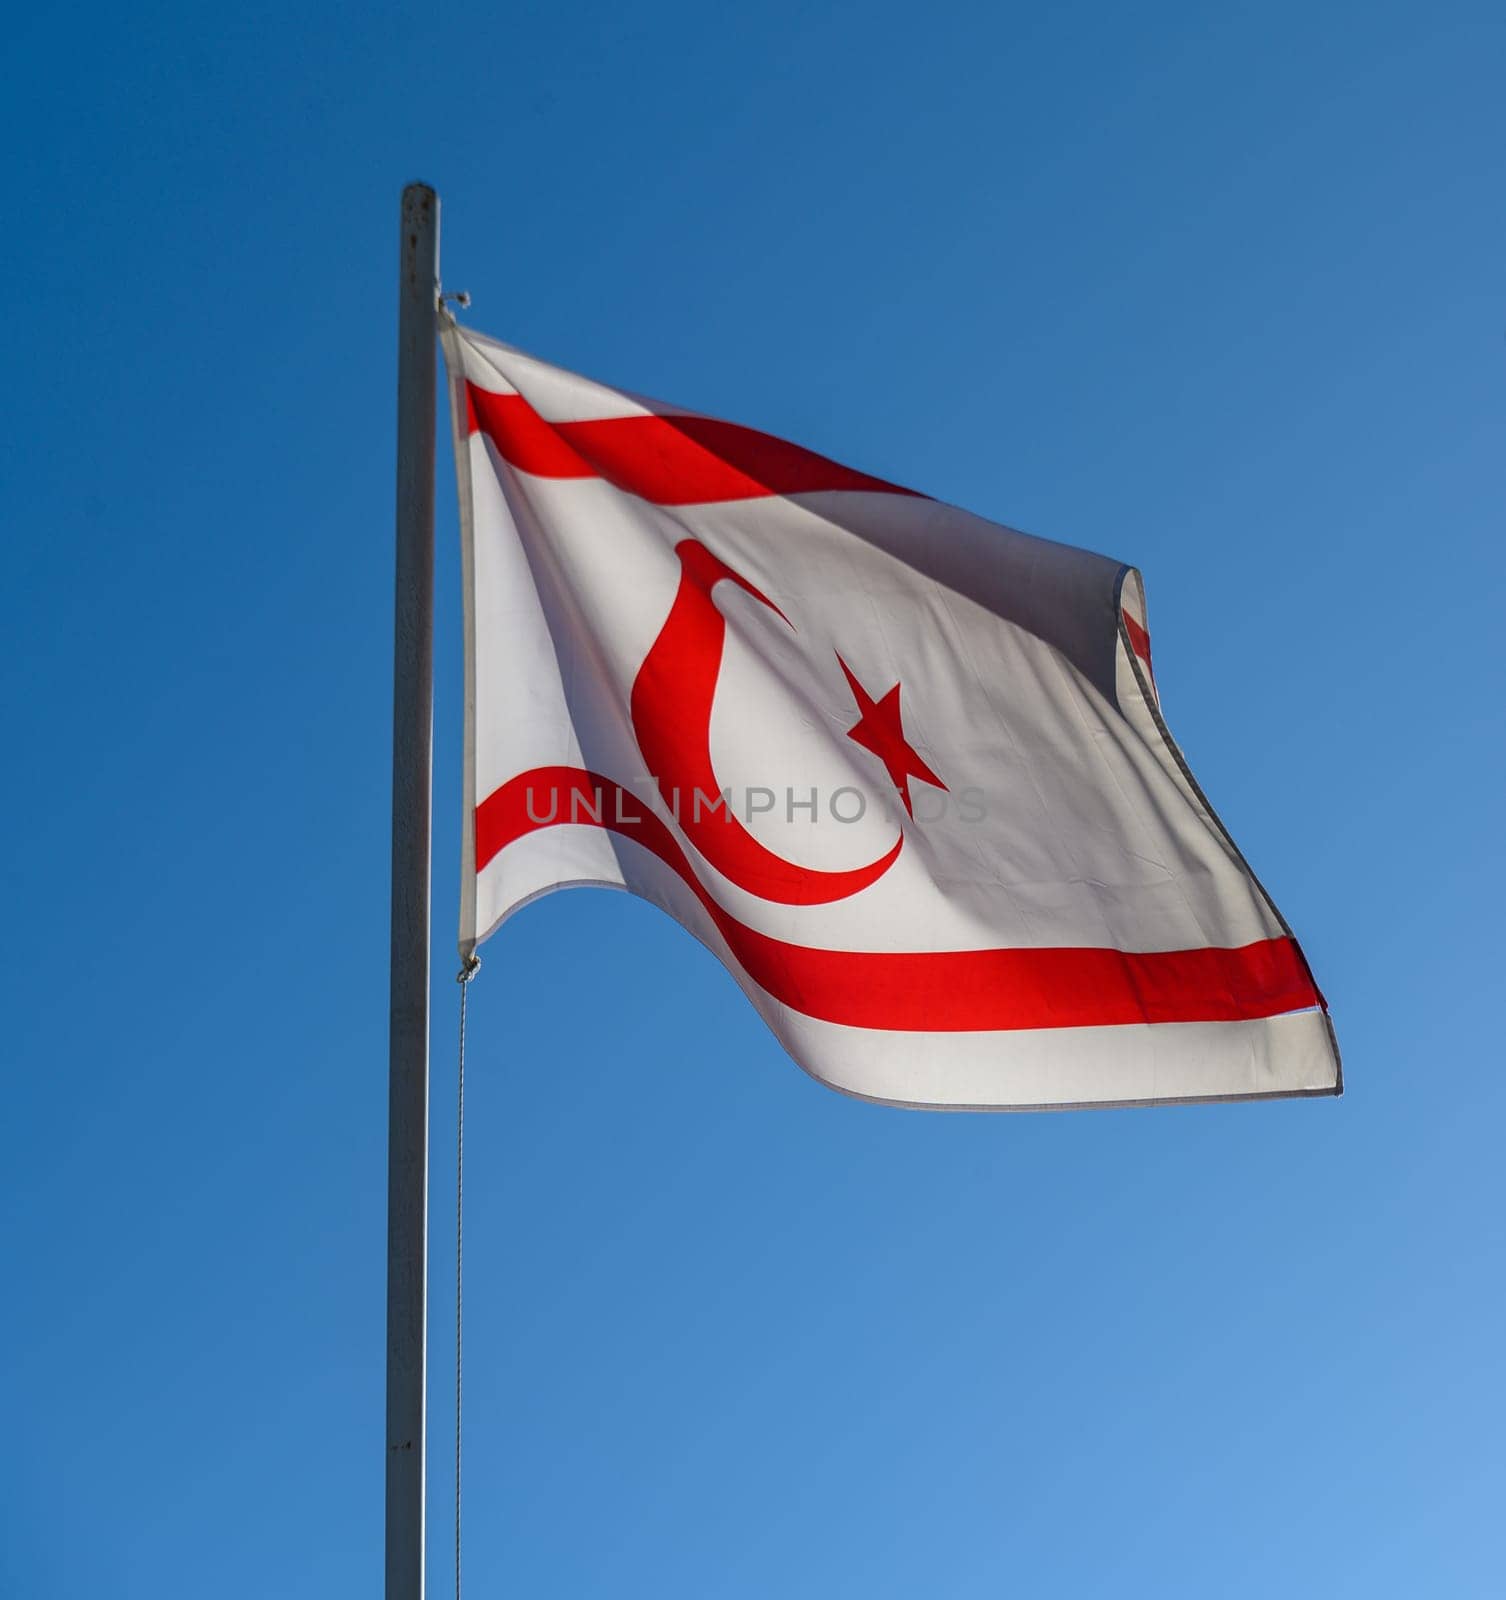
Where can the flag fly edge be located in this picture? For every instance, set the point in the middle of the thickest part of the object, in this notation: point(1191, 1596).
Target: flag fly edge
point(1139, 666)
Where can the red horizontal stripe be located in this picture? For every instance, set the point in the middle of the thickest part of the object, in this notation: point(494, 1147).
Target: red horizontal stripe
point(942, 991)
point(1139, 642)
point(672, 461)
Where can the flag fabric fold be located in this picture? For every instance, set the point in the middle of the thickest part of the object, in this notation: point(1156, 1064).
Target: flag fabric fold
point(902, 770)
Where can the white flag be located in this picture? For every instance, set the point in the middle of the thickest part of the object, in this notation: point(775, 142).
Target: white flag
point(902, 770)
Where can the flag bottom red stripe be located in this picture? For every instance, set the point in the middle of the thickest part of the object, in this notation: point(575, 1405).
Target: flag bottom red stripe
point(927, 991)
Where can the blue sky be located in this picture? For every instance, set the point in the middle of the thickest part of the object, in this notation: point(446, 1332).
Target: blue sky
point(1217, 290)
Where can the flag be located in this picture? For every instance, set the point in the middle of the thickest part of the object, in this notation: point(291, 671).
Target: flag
point(902, 770)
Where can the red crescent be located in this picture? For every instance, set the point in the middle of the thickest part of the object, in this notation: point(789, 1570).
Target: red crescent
point(671, 711)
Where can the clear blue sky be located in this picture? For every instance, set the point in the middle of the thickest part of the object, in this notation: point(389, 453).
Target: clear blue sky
point(1219, 290)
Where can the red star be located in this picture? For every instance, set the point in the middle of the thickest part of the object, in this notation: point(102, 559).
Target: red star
point(880, 730)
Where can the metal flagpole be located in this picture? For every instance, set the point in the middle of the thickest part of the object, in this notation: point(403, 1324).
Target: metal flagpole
point(408, 1036)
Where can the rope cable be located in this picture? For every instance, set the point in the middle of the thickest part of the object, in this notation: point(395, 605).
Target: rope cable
point(463, 978)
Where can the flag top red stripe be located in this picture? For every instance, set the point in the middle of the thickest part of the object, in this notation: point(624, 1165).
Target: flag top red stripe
point(1139, 642)
point(669, 460)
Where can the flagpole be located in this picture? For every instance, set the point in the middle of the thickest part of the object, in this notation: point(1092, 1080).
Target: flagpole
point(408, 1017)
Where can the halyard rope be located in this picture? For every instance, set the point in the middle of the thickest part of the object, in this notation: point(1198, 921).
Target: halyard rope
point(463, 978)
